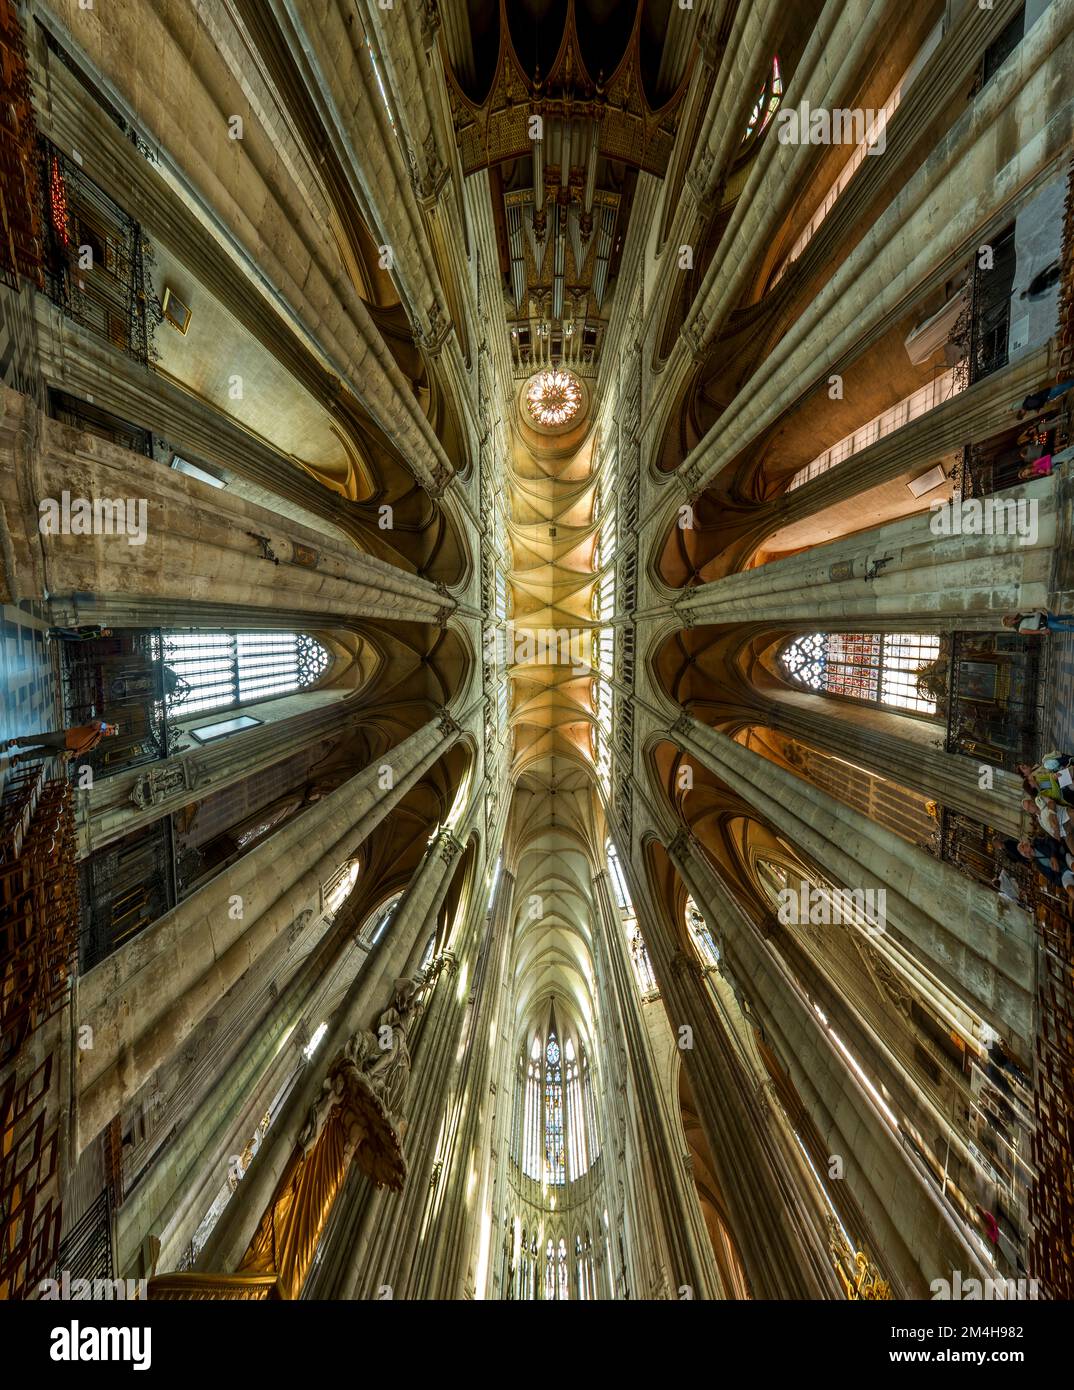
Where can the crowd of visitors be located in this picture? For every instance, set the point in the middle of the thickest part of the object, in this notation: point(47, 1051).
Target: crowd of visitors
point(1047, 841)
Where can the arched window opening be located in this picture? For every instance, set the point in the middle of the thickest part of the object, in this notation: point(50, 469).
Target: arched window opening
point(876, 668)
point(606, 650)
point(602, 747)
point(608, 541)
point(217, 670)
point(766, 105)
point(555, 1163)
point(555, 1129)
point(376, 924)
point(603, 605)
point(700, 934)
point(639, 955)
point(338, 887)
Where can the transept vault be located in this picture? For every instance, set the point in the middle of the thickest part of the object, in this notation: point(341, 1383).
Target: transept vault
point(536, 653)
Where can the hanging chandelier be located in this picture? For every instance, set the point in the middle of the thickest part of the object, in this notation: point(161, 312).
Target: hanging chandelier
point(554, 397)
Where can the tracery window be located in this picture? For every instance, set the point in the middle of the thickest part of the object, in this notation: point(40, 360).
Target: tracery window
point(766, 105)
point(555, 1164)
point(605, 650)
point(376, 924)
point(608, 541)
point(603, 606)
point(602, 752)
point(700, 934)
point(878, 668)
point(555, 1129)
point(215, 670)
point(339, 886)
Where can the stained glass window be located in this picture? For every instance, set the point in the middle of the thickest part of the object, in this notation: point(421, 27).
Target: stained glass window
point(553, 397)
point(878, 668)
point(766, 105)
point(555, 1162)
point(212, 670)
point(555, 1127)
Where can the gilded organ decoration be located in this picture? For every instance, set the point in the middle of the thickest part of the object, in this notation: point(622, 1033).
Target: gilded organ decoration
point(357, 1117)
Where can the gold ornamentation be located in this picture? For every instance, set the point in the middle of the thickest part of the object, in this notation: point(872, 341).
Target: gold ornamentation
point(858, 1275)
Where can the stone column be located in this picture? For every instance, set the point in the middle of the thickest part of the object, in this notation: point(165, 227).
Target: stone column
point(681, 1231)
point(143, 1000)
point(783, 1248)
point(913, 1237)
point(193, 544)
point(967, 177)
point(413, 919)
point(172, 1199)
point(979, 944)
point(897, 574)
point(459, 1236)
point(904, 750)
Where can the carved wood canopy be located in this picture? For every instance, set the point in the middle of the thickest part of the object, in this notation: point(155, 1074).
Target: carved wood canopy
point(631, 131)
point(562, 186)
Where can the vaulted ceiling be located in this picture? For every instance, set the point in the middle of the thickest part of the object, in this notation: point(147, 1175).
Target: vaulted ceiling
point(607, 78)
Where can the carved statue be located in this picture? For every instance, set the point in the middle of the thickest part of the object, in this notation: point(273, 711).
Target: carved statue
point(355, 1117)
point(365, 1088)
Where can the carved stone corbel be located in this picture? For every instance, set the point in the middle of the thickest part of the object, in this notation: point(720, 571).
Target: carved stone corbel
point(681, 845)
point(683, 726)
point(447, 723)
point(684, 615)
point(687, 966)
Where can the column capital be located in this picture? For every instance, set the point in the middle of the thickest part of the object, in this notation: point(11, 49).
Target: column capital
point(444, 964)
point(684, 614)
point(687, 966)
point(682, 844)
point(446, 722)
point(446, 843)
point(682, 726)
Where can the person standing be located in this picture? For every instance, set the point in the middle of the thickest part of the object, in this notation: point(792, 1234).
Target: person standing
point(67, 743)
point(1039, 620)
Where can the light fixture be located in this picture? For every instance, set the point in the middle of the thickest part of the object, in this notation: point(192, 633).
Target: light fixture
point(554, 397)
